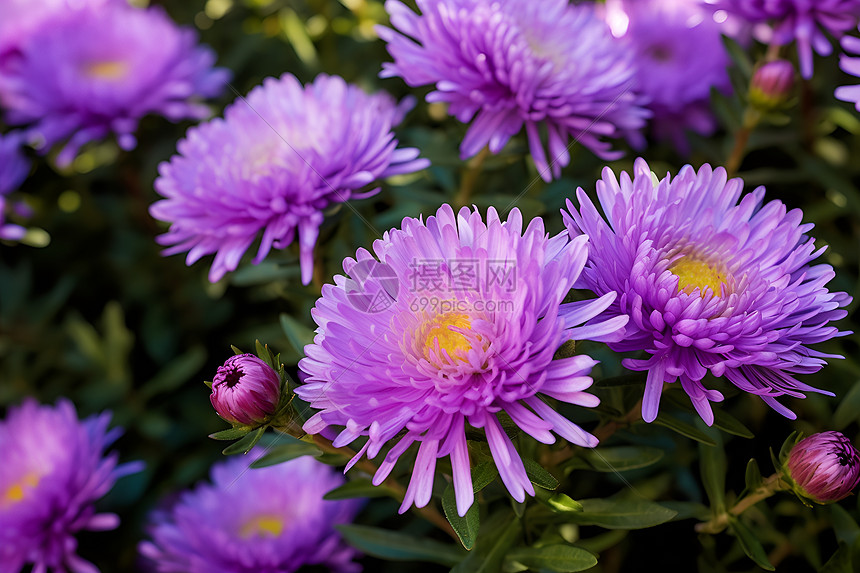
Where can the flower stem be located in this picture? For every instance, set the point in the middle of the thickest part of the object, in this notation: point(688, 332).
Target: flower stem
point(470, 177)
point(751, 119)
point(769, 487)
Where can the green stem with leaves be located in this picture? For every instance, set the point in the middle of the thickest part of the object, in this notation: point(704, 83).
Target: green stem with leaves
point(768, 487)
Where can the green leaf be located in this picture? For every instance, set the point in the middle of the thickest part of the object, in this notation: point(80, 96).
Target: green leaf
point(539, 476)
point(297, 333)
point(231, 433)
point(491, 547)
point(559, 502)
point(286, 452)
point(483, 475)
point(466, 526)
point(684, 429)
point(722, 419)
point(840, 562)
point(750, 544)
point(616, 459)
point(358, 488)
point(621, 514)
point(713, 470)
point(848, 409)
point(399, 546)
point(245, 444)
point(562, 558)
point(844, 526)
point(753, 475)
point(731, 425)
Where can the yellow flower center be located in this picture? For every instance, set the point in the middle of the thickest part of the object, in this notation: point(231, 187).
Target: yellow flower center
point(107, 70)
point(263, 526)
point(695, 274)
point(454, 343)
point(18, 490)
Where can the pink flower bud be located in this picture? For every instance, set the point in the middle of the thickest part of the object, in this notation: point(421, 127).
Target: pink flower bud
point(245, 390)
point(772, 85)
point(824, 467)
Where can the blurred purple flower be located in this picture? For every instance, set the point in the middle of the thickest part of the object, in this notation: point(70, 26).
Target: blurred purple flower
point(803, 21)
point(711, 285)
point(14, 166)
point(439, 357)
point(245, 390)
point(272, 519)
point(849, 65)
point(824, 467)
point(54, 469)
point(680, 57)
point(273, 164)
point(83, 74)
point(22, 17)
point(503, 65)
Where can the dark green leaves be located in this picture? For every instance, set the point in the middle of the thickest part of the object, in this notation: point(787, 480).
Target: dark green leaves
point(399, 546)
point(286, 452)
point(467, 526)
point(245, 444)
point(621, 514)
point(750, 544)
point(684, 429)
point(358, 488)
point(616, 459)
point(563, 558)
point(492, 545)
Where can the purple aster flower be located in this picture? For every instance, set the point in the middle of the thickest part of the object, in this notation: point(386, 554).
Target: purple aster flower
point(83, 74)
point(849, 65)
point(504, 65)
point(272, 520)
point(273, 164)
point(803, 21)
point(468, 329)
point(245, 390)
point(711, 283)
point(680, 57)
point(824, 467)
point(54, 470)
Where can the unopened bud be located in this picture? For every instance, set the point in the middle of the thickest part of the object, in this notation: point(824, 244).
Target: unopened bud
point(824, 467)
point(772, 85)
point(245, 390)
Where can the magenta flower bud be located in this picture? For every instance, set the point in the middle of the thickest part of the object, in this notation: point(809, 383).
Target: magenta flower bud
point(824, 467)
point(245, 390)
point(772, 85)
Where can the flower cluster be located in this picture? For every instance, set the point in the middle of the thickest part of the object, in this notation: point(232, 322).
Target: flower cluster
point(680, 58)
point(803, 21)
point(252, 520)
point(273, 164)
point(503, 66)
point(430, 370)
point(712, 282)
point(82, 73)
point(54, 470)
